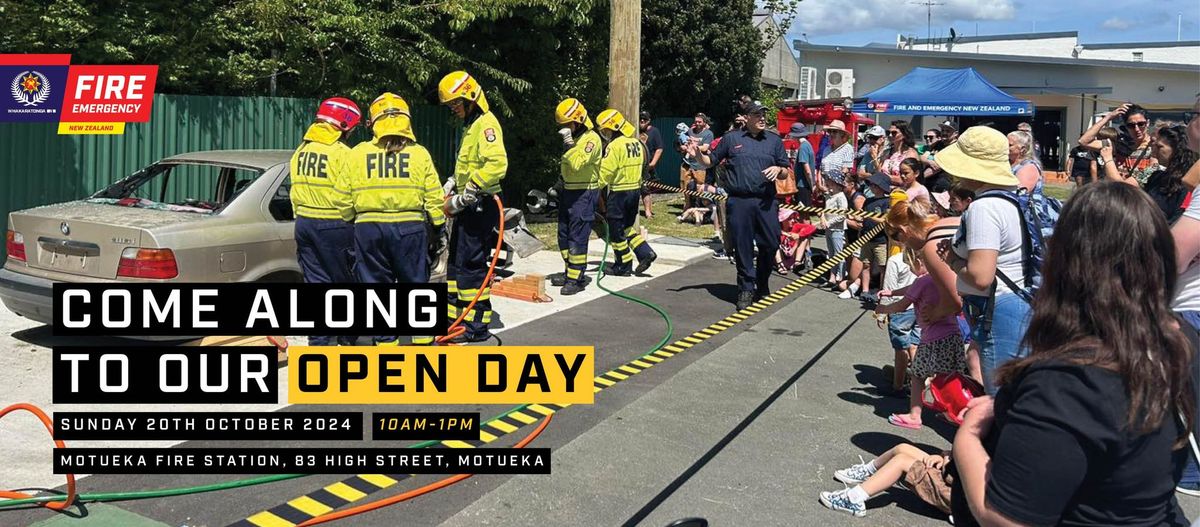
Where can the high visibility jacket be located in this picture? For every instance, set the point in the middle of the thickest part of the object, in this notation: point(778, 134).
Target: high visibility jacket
point(390, 187)
point(623, 163)
point(318, 171)
point(581, 163)
point(481, 158)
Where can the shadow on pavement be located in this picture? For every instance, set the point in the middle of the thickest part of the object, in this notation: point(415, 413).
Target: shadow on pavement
point(726, 292)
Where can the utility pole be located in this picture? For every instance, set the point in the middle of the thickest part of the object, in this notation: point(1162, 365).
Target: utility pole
point(625, 57)
point(928, 20)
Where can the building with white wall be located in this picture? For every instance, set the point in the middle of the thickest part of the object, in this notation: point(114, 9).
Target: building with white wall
point(1065, 91)
point(1061, 44)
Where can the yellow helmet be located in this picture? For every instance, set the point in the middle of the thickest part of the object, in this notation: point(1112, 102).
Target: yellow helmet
point(390, 116)
point(611, 119)
point(461, 85)
point(570, 110)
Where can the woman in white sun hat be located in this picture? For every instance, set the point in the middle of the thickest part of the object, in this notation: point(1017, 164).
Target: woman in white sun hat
point(988, 242)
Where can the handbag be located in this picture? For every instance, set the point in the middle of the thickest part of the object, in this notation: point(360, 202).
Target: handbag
point(786, 186)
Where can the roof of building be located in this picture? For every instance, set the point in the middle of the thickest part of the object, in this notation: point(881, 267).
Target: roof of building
point(1161, 44)
point(1007, 36)
point(975, 57)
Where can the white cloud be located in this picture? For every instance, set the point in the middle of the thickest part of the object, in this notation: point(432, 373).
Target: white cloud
point(825, 17)
point(1116, 23)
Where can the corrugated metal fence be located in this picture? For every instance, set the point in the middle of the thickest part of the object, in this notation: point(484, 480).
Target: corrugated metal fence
point(38, 166)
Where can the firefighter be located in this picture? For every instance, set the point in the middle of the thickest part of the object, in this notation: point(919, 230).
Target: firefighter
point(324, 242)
point(394, 191)
point(481, 165)
point(621, 172)
point(580, 170)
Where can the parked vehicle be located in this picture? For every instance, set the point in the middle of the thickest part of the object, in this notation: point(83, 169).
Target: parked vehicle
point(216, 216)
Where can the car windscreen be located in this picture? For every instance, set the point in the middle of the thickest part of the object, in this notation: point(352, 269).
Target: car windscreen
point(184, 187)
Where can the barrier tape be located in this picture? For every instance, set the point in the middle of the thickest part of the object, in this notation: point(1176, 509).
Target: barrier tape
point(812, 210)
point(360, 486)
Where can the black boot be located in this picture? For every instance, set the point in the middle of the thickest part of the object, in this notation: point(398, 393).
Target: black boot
point(645, 264)
point(745, 298)
point(558, 279)
point(572, 287)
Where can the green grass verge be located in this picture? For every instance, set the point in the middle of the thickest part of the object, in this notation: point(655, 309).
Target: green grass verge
point(663, 223)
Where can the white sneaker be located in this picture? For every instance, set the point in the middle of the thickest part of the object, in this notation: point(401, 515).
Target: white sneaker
point(853, 475)
point(839, 501)
point(849, 293)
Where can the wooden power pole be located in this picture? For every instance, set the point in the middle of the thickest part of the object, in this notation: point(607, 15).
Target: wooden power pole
point(625, 58)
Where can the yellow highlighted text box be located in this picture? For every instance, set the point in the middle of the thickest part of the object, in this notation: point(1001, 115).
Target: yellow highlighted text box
point(440, 374)
point(91, 128)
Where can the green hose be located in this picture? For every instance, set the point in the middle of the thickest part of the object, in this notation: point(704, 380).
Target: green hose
point(662, 313)
point(181, 491)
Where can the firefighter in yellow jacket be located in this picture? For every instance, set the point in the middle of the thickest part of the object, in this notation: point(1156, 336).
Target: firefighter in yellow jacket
point(478, 171)
point(580, 170)
point(394, 192)
point(621, 172)
point(324, 241)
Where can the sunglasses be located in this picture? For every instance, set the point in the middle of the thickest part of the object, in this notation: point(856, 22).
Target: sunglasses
point(1139, 124)
point(893, 132)
point(930, 137)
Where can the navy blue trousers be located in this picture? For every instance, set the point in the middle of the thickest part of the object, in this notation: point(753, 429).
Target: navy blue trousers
point(324, 249)
point(471, 246)
point(753, 221)
point(576, 212)
point(390, 253)
point(626, 241)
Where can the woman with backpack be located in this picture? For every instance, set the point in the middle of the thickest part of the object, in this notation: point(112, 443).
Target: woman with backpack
point(987, 253)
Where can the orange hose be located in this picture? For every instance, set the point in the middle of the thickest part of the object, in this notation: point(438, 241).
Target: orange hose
point(456, 329)
point(379, 504)
point(12, 494)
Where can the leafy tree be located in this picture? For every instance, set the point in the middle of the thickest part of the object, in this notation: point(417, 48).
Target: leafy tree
point(698, 56)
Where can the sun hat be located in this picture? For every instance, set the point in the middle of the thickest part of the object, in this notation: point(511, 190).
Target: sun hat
point(942, 199)
point(980, 154)
point(838, 126)
point(881, 180)
point(798, 130)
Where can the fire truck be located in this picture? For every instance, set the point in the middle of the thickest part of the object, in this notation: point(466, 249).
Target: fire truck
point(819, 112)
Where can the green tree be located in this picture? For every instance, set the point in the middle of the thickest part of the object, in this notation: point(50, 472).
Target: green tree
point(698, 56)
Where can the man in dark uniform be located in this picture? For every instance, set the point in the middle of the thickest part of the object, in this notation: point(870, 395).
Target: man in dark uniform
point(755, 159)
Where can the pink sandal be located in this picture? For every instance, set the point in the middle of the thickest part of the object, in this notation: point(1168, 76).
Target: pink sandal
point(903, 421)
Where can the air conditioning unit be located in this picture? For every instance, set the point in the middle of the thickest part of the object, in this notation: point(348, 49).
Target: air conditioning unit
point(808, 83)
point(839, 83)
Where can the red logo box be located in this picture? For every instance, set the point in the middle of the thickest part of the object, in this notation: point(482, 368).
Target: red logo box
point(109, 94)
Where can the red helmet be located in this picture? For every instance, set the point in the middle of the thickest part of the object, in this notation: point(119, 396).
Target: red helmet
point(340, 112)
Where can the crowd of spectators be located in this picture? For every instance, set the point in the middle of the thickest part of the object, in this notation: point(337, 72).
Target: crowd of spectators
point(1082, 348)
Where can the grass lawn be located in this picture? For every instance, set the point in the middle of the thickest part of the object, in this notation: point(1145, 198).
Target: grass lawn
point(663, 223)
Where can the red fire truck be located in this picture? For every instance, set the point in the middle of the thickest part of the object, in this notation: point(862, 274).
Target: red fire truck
point(817, 113)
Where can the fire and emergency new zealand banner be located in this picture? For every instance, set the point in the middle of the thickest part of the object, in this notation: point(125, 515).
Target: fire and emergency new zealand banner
point(82, 99)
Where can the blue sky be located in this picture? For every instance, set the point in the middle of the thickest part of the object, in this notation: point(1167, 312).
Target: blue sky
point(857, 22)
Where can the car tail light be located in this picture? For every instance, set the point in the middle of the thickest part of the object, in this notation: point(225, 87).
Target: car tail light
point(147, 263)
point(14, 243)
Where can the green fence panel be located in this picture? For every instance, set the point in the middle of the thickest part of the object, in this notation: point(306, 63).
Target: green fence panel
point(38, 166)
point(668, 164)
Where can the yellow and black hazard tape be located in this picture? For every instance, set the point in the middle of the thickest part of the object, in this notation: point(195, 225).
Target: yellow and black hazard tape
point(357, 487)
point(811, 210)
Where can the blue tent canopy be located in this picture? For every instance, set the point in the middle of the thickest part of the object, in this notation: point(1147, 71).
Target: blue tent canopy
point(936, 91)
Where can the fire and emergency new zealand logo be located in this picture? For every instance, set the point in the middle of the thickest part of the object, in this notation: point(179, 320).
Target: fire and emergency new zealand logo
point(31, 88)
point(36, 89)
